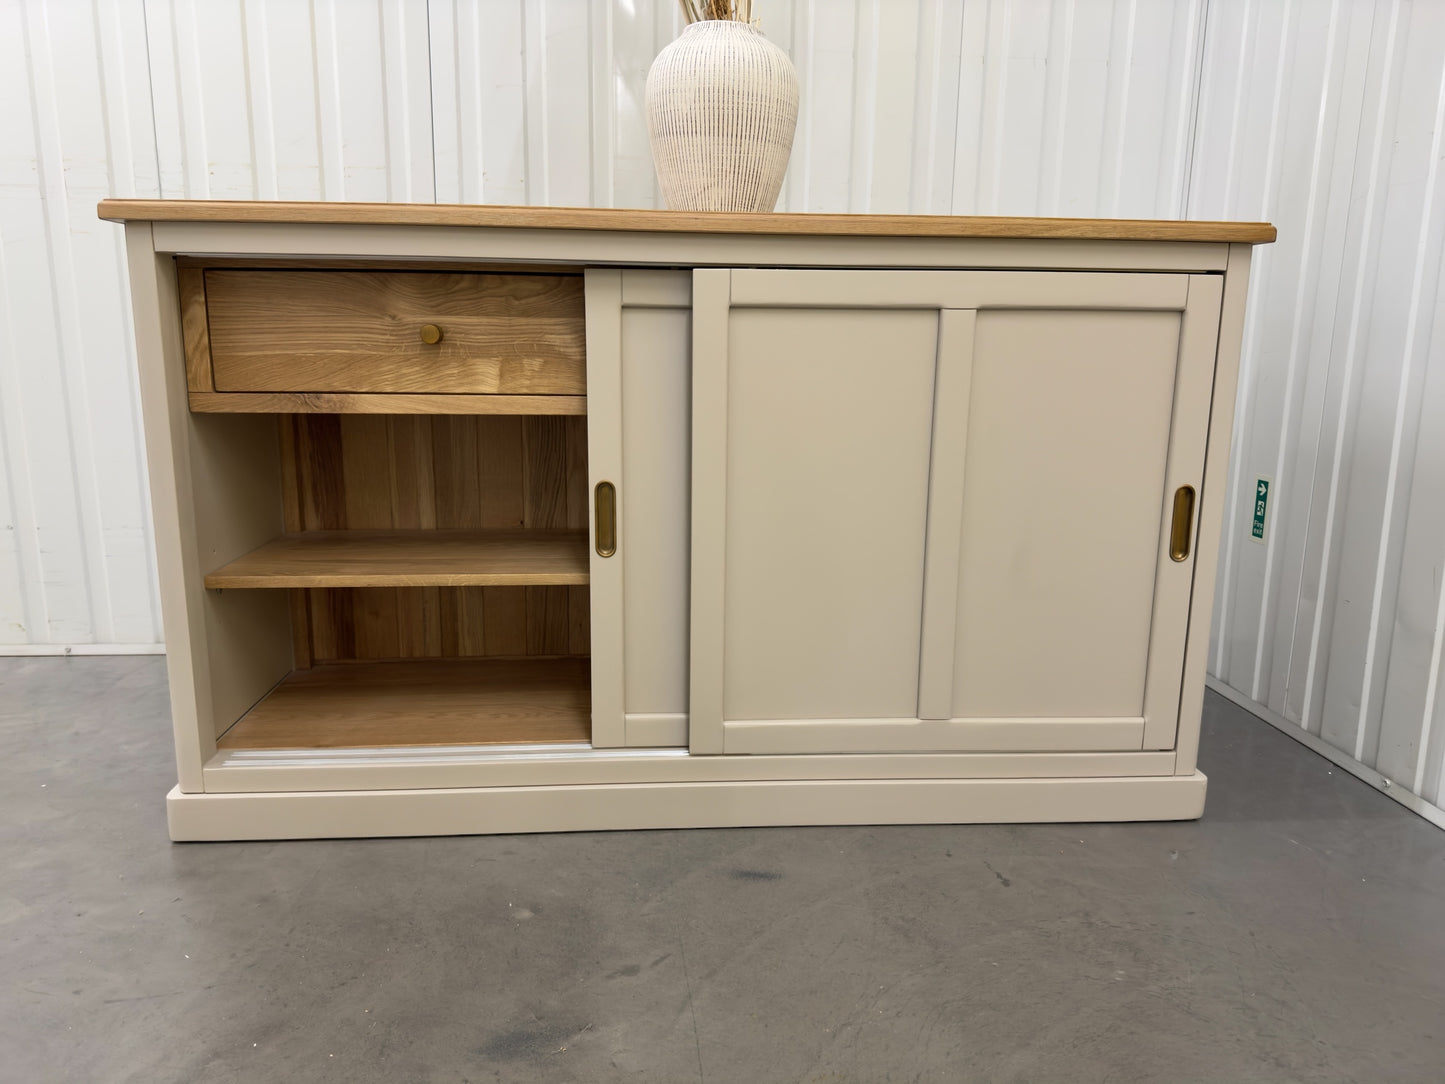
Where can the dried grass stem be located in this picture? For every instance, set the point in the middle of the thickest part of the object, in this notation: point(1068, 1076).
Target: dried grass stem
point(738, 11)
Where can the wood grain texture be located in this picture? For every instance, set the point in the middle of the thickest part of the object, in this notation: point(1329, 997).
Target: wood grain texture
point(370, 263)
point(491, 702)
point(416, 558)
point(291, 522)
point(438, 484)
point(280, 402)
point(360, 331)
point(194, 329)
point(583, 218)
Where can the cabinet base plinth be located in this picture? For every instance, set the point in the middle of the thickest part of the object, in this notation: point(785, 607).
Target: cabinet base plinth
point(611, 807)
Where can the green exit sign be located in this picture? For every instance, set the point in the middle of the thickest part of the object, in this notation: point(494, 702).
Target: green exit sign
point(1261, 509)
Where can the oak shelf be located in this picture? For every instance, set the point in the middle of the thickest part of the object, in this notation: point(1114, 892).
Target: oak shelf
point(328, 402)
point(416, 558)
point(422, 702)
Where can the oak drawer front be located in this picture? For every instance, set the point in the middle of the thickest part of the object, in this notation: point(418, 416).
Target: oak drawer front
point(368, 331)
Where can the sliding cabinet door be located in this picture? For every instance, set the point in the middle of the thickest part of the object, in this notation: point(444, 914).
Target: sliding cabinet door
point(935, 510)
point(639, 399)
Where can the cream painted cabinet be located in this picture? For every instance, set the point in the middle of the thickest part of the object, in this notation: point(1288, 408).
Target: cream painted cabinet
point(944, 511)
point(488, 519)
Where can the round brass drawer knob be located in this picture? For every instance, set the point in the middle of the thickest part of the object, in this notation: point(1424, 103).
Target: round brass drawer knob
point(431, 334)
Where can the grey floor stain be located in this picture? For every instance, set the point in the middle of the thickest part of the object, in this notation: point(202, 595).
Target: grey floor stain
point(1002, 879)
point(527, 1042)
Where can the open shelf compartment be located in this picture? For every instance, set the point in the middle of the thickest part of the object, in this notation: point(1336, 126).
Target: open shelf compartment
point(422, 702)
point(392, 581)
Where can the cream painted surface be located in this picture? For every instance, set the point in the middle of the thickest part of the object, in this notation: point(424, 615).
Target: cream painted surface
point(271, 771)
point(603, 304)
point(1207, 360)
point(639, 434)
point(1061, 514)
point(656, 438)
point(686, 250)
point(618, 806)
point(953, 380)
point(758, 288)
point(666, 730)
point(707, 592)
point(156, 310)
point(1001, 515)
point(826, 490)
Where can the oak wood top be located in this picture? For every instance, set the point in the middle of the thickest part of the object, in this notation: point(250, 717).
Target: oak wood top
point(651, 221)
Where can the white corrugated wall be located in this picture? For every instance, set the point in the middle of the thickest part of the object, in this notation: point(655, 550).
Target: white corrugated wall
point(1328, 118)
point(1324, 116)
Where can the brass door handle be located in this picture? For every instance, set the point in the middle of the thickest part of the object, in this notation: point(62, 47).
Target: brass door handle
point(1181, 530)
point(431, 334)
point(604, 500)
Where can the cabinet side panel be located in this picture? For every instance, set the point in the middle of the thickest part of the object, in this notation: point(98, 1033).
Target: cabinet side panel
point(235, 491)
point(657, 464)
point(155, 301)
point(1068, 437)
point(216, 493)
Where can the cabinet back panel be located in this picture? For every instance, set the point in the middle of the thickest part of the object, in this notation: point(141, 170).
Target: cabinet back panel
point(1068, 439)
point(447, 622)
point(380, 472)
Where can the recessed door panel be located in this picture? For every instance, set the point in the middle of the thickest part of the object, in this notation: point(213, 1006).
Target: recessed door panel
point(1068, 440)
point(829, 418)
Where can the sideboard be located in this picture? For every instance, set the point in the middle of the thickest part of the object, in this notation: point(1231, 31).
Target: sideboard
point(505, 519)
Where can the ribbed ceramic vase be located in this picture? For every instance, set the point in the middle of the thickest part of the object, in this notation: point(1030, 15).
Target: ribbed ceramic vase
point(722, 106)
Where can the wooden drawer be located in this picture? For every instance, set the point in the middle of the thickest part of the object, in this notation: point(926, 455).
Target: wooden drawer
point(363, 331)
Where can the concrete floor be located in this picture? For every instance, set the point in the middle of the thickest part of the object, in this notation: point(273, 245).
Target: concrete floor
point(1296, 933)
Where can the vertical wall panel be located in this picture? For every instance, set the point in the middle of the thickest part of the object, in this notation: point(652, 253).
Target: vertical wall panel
point(1074, 107)
point(1327, 119)
point(284, 99)
point(234, 99)
point(75, 548)
point(937, 71)
point(479, 94)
